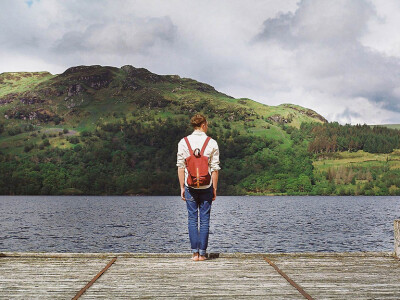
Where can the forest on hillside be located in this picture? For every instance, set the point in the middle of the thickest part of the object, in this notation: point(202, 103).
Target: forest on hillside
point(333, 137)
point(139, 157)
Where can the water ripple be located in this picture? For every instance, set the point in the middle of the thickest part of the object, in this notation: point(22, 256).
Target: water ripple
point(159, 224)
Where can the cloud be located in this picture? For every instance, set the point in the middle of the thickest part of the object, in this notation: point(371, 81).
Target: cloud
point(320, 22)
point(119, 37)
point(328, 56)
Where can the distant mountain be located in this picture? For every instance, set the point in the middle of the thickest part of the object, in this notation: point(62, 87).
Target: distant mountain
point(85, 94)
point(114, 131)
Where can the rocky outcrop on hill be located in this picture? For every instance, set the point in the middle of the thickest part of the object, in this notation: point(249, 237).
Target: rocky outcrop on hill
point(86, 70)
point(50, 92)
point(97, 81)
point(41, 114)
point(31, 99)
point(44, 115)
point(205, 88)
point(142, 74)
point(8, 98)
point(96, 77)
point(25, 98)
point(306, 111)
point(130, 83)
point(75, 89)
point(278, 119)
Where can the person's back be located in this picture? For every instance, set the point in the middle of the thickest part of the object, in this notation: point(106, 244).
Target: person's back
point(198, 197)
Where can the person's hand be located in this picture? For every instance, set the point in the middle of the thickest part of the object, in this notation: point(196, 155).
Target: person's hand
point(214, 194)
point(183, 194)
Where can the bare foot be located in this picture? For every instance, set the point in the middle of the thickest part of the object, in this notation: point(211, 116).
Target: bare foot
point(195, 257)
point(202, 257)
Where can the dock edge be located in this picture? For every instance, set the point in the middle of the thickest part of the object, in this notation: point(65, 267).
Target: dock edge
point(397, 239)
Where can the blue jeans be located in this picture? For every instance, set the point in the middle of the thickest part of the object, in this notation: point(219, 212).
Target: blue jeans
point(199, 200)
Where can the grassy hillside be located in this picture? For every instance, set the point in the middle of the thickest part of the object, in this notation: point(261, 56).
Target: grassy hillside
point(359, 173)
point(84, 97)
point(113, 131)
point(391, 126)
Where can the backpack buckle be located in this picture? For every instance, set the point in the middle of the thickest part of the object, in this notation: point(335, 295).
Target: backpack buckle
point(196, 152)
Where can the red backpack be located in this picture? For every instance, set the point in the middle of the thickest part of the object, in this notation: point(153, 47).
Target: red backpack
point(197, 166)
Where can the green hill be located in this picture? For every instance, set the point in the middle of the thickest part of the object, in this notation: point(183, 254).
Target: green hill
point(84, 95)
point(106, 130)
point(391, 126)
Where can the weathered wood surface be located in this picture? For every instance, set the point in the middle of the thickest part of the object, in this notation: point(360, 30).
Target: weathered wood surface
point(182, 279)
point(397, 238)
point(46, 278)
point(344, 277)
point(238, 276)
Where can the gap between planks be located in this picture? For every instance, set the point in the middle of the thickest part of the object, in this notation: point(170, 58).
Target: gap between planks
point(90, 283)
point(292, 282)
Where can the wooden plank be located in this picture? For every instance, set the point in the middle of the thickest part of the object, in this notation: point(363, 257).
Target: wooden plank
point(228, 275)
point(110, 255)
point(294, 284)
point(397, 238)
point(341, 277)
point(45, 278)
point(182, 278)
point(90, 283)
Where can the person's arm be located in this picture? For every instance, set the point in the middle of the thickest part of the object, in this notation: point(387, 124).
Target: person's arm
point(180, 163)
point(214, 178)
point(214, 166)
point(181, 176)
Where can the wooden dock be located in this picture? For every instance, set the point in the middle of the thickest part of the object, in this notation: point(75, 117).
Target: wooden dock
point(362, 275)
point(224, 276)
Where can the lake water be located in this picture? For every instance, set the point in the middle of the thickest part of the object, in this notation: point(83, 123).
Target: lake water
point(159, 224)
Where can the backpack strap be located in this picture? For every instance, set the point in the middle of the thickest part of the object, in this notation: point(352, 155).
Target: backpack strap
point(205, 145)
point(187, 143)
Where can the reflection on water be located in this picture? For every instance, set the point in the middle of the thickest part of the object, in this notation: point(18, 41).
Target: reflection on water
point(159, 224)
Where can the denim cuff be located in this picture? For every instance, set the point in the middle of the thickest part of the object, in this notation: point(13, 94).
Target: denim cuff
point(202, 252)
point(195, 250)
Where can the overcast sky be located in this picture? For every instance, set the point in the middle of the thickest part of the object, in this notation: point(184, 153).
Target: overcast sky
point(340, 58)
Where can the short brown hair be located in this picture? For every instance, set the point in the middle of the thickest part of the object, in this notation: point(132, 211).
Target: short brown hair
point(197, 120)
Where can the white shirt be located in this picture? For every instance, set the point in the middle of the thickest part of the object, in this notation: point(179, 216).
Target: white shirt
point(196, 140)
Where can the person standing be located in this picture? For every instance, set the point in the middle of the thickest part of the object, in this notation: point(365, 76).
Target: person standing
point(198, 190)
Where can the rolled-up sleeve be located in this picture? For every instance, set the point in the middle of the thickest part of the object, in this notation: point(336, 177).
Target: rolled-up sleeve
point(214, 159)
point(180, 156)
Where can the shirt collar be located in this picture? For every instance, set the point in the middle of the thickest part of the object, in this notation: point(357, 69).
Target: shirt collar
point(198, 132)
